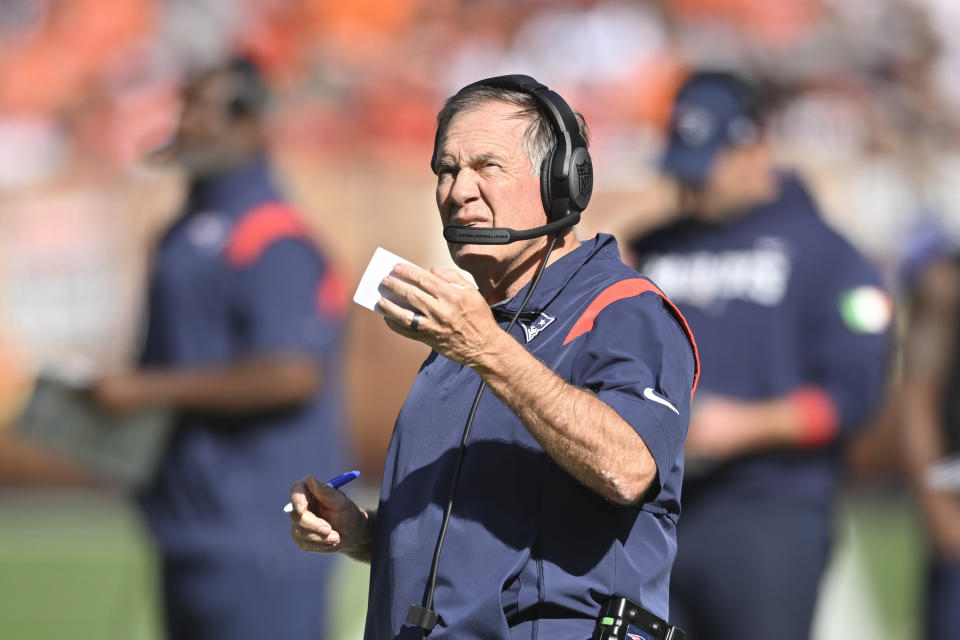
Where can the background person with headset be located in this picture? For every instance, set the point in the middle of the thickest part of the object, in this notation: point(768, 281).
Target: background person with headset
point(792, 323)
point(560, 489)
point(244, 322)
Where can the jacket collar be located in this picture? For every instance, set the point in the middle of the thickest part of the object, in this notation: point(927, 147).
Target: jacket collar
point(556, 276)
point(238, 188)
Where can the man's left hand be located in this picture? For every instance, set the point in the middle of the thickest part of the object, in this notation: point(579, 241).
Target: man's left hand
point(452, 316)
point(119, 394)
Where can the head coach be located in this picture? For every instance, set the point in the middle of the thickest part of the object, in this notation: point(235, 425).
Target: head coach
point(560, 489)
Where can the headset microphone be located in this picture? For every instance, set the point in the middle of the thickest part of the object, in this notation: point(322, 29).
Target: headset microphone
point(459, 234)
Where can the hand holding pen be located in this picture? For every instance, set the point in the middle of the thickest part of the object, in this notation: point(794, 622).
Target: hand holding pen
point(323, 520)
point(335, 482)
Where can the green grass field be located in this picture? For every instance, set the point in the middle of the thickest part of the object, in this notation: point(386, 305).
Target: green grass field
point(76, 565)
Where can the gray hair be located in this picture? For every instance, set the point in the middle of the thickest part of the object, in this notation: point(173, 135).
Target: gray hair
point(538, 139)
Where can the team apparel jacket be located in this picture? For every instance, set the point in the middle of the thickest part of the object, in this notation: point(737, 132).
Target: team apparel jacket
point(531, 552)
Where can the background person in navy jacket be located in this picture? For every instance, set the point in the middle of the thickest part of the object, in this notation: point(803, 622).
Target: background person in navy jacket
point(792, 325)
point(243, 341)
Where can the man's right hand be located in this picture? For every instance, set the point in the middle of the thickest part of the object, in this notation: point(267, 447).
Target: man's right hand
point(331, 523)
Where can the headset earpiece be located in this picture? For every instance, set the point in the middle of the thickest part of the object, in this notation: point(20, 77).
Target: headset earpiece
point(566, 177)
point(580, 178)
point(546, 195)
point(238, 107)
point(249, 93)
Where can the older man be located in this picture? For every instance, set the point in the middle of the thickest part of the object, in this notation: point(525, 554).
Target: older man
point(566, 491)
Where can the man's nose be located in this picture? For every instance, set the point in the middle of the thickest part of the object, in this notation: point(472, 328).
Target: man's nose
point(465, 186)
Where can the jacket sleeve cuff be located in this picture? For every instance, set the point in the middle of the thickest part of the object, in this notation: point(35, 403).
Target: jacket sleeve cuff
point(819, 417)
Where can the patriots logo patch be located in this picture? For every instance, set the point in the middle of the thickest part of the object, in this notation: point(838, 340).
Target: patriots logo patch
point(531, 330)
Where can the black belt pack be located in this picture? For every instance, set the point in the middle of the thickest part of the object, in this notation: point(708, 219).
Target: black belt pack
point(623, 619)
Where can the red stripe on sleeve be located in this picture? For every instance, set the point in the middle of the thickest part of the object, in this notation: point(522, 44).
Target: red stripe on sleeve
point(332, 297)
point(628, 289)
point(261, 227)
point(819, 416)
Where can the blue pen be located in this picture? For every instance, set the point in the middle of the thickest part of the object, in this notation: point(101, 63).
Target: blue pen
point(336, 482)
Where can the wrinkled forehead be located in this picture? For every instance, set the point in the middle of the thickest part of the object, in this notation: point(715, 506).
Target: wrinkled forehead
point(492, 122)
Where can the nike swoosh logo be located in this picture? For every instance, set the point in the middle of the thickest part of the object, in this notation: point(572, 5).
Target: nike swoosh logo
point(650, 395)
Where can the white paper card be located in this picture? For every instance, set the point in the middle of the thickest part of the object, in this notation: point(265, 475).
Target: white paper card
point(369, 289)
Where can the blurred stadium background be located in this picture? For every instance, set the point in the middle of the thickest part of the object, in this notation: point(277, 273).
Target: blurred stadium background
point(867, 106)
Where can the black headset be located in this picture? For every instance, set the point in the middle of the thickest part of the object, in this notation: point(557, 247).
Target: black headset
point(250, 94)
point(566, 175)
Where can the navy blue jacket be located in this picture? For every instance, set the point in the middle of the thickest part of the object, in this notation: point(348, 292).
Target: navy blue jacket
point(530, 551)
point(236, 276)
point(781, 306)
